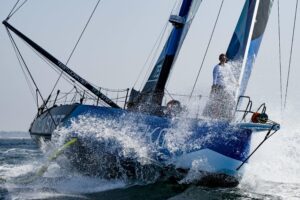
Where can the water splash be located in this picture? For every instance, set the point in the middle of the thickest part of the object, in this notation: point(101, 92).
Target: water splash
point(274, 169)
point(113, 149)
point(92, 128)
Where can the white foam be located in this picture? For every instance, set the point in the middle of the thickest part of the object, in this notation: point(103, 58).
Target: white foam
point(12, 171)
point(126, 135)
point(275, 167)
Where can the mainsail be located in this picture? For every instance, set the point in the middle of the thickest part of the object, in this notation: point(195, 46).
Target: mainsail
point(246, 40)
point(152, 94)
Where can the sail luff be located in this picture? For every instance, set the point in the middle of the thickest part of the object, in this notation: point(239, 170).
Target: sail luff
point(263, 13)
point(246, 40)
point(238, 93)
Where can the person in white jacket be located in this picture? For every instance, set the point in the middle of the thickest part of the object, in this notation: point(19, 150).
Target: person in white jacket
point(221, 102)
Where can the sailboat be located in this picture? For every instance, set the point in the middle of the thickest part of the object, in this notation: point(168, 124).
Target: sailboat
point(222, 145)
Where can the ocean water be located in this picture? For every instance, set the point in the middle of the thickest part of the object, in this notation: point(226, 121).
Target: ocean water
point(272, 173)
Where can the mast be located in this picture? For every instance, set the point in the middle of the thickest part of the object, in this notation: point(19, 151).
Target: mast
point(62, 66)
point(152, 94)
point(246, 40)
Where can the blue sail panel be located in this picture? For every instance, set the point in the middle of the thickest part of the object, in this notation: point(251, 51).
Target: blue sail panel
point(262, 17)
point(237, 46)
point(169, 50)
point(242, 51)
point(160, 73)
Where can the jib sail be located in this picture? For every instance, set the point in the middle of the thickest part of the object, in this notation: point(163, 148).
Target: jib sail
point(246, 40)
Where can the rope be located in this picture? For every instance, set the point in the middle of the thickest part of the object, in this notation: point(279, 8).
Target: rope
point(291, 53)
point(82, 32)
point(280, 60)
point(208, 45)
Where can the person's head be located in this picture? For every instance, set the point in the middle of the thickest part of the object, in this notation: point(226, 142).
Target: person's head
point(222, 58)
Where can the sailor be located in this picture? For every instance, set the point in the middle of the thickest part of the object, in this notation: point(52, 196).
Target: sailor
point(221, 101)
point(173, 108)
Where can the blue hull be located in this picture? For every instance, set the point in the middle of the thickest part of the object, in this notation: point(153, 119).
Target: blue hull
point(215, 149)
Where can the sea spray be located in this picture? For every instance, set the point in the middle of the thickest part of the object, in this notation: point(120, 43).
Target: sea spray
point(274, 168)
point(109, 143)
point(102, 131)
point(58, 182)
point(112, 149)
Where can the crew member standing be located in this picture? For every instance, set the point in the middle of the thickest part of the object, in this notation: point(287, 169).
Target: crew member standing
point(221, 100)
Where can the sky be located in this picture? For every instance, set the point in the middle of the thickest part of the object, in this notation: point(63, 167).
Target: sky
point(118, 41)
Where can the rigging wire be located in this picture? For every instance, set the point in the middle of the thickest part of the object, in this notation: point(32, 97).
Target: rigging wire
point(152, 63)
point(20, 58)
point(86, 25)
point(280, 57)
point(55, 68)
point(73, 50)
point(170, 95)
point(291, 53)
point(155, 49)
point(25, 65)
point(208, 45)
point(58, 71)
point(44, 105)
point(13, 11)
point(22, 68)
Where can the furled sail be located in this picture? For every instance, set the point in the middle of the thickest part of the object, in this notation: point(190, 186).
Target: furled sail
point(153, 91)
point(246, 40)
